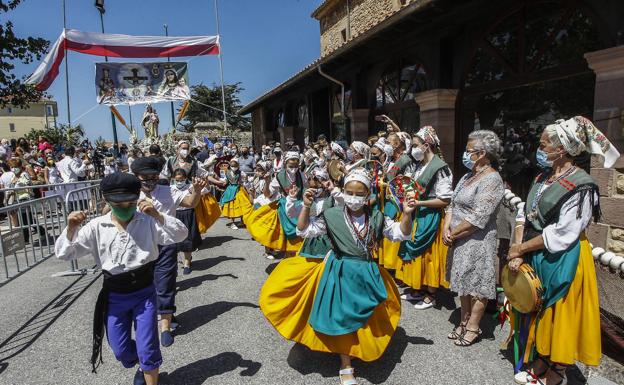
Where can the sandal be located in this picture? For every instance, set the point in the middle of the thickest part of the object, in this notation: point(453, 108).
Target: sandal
point(454, 335)
point(560, 370)
point(347, 372)
point(462, 341)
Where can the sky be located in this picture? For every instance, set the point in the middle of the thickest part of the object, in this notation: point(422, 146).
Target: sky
point(263, 43)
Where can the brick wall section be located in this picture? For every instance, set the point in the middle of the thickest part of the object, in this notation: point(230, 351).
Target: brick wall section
point(364, 15)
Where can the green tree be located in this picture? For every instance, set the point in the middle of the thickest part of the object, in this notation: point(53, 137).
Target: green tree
point(203, 96)
point(61, 134)
point(15, 49)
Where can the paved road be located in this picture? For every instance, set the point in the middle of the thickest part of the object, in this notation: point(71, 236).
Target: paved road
point(224, 339)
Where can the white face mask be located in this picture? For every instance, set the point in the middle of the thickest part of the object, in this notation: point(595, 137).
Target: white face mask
point(234, 168)
point(418, 153)
point(354, 202)
point(181, 185)
point(292, 170)
point(184, 153)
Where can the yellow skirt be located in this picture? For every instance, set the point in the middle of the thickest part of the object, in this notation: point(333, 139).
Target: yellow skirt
point(264, 226)
point(286, 300)
point(388, 254)
point(569, 331)
point(240, 207)
point(429, 269)
point(207, 212)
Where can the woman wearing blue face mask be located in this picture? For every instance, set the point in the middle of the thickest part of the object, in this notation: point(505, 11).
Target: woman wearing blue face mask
point(550, 234)
point(470, 232)
point(187, 216)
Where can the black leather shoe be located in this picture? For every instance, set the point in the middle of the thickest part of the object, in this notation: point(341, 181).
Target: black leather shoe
point(139, 378)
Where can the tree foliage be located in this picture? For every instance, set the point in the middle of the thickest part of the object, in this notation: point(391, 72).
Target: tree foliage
point(61, 134)
point(16, 49)
point(211, 96)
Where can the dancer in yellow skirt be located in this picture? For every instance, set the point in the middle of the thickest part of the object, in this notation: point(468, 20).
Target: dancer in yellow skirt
point(269, 225)
point(235, 202)
point(401, 164)
point(560, 205)
point(261, 180)
point(347, 304)
point(422, 262)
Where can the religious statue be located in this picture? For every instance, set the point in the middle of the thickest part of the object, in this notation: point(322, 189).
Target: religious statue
point(150, 122)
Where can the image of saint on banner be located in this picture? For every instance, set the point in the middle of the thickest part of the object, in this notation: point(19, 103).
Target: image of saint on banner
point(138, 83)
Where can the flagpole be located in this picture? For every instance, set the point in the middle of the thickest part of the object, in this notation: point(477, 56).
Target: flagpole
point(221, 67)
point(66, 66)
point(168, 60)
point(115, 141)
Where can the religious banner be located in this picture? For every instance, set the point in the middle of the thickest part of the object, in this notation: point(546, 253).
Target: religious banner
point(139, 83)
point(116, 45)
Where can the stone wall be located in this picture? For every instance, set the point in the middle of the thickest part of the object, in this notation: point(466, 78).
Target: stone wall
point(364, 14)
point(609, 233)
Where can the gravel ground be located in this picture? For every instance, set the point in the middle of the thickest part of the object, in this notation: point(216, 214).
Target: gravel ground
point(224, 338)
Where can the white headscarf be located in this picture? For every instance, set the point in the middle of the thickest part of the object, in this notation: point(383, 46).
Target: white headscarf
point(429, 136)
point(338, 150)
point(359, 175)
point(579, 134)
point(291, 155)
point(384, 146)
point(181, 142)
point(361, 148)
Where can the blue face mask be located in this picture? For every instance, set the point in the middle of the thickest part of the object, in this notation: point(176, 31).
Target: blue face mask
point(542, 159)
point(467, 161)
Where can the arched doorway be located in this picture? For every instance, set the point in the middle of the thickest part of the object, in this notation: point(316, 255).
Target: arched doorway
point(526, 70)
point(395, 93)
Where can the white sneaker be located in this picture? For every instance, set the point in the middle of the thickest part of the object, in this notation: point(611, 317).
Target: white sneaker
point(269, 256)
point(412, 297)
point(233, 226)
point(524, 377)
point(422, 305)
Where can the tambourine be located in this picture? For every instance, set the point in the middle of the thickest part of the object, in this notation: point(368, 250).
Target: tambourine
point(334, 168)
point(402, 187)
point(523, 288)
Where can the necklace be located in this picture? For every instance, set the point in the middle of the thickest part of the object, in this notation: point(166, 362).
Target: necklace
point(363, 237)
point(532, 215)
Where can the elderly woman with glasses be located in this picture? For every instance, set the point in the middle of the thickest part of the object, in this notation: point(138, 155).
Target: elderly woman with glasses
point(470, 230)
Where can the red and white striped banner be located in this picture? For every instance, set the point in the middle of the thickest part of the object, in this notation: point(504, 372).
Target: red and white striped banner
point(115, 45)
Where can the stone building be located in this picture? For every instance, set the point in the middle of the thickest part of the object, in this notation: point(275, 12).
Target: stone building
point(15, 122)
point(512, 66)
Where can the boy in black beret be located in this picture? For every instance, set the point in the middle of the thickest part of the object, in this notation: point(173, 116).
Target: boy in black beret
point(125, 243)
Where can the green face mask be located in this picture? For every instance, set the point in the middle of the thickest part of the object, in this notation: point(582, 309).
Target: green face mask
point(124, 214)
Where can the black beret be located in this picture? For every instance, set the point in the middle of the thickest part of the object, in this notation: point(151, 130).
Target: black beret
point(120, 187)
point(147, 165)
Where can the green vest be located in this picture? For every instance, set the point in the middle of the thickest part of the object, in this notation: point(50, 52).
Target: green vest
point(428, 175)
point(340, 235)
point(555, 196)
point(233, 177)
point(399, 167)
point(318, 247)
point(285, 185)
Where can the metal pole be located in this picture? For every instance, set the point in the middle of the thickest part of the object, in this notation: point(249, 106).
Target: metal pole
point(169, 59)
point(221, 67)
point(130, 112)
point(66, 67)
point(115, 141)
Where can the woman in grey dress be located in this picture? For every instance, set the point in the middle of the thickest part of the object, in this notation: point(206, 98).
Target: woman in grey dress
point(470, 230)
